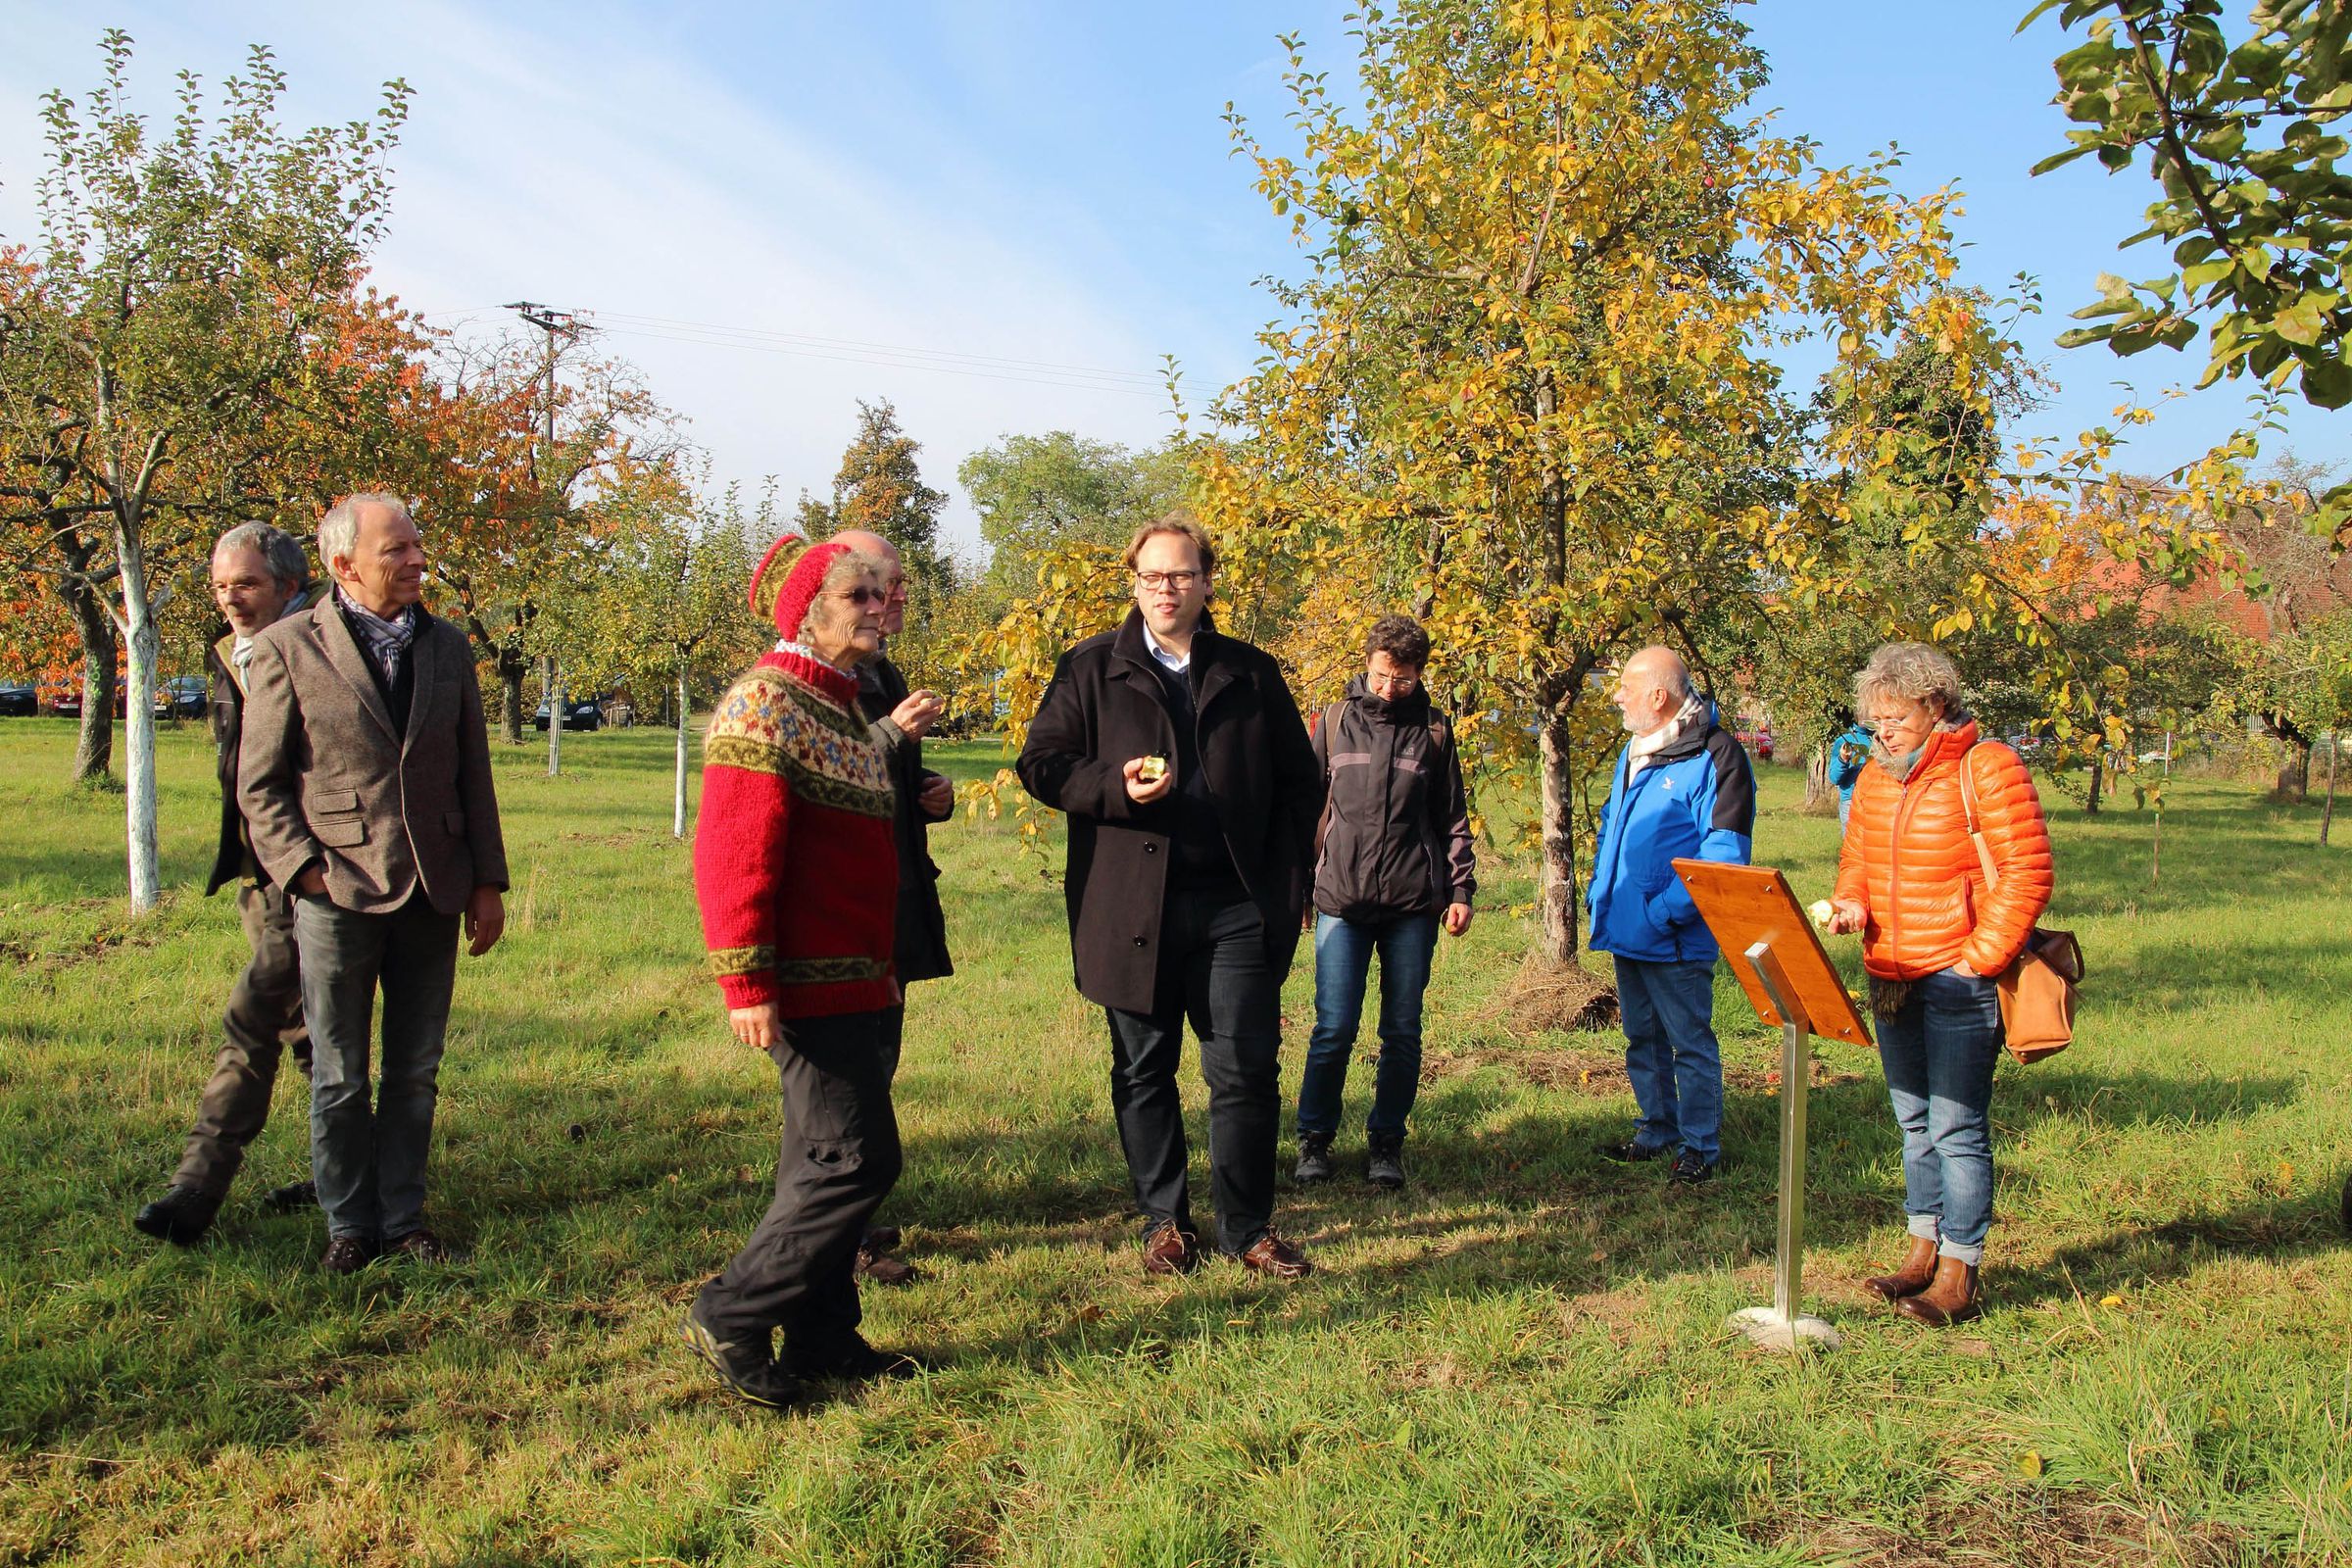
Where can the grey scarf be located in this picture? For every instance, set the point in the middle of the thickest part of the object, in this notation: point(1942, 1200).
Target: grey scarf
point(383, 641)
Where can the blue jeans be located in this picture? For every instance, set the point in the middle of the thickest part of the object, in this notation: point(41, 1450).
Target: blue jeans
point(1671, 1054)
point(1344, 951)
point(1938, 1053)
point(370, 1161)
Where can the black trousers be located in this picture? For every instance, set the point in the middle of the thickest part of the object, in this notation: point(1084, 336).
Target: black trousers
point(838, 1159)
point(1214, 970)
point(263, 1018)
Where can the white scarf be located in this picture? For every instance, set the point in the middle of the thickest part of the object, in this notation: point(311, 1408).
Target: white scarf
point(240, 652)
point(1643, 749)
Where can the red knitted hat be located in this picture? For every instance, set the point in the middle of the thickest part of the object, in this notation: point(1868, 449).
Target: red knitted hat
point(785, 582)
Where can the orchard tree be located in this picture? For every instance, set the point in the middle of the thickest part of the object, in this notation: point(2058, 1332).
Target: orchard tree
point(181, 279)
point(1035, 494)
point(2240, 134)
point(880, 488)
point(1525, 385)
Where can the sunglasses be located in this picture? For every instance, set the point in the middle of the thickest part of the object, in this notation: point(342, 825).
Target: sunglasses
point(863, 596)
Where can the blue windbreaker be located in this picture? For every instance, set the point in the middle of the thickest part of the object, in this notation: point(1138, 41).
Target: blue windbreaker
point(1694, 800)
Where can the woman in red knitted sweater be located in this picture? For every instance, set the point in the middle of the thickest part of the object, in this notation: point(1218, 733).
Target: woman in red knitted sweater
point(796, 873)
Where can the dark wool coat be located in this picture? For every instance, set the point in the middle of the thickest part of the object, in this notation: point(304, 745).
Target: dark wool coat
point(922, 941)
point(1104, 707)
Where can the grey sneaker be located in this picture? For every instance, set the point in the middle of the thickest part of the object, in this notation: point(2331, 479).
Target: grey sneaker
point(1314, 1159)
point(1384, 1161)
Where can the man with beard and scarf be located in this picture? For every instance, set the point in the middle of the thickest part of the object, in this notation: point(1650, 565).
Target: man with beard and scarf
point(1393, 863)
point(1683, 790)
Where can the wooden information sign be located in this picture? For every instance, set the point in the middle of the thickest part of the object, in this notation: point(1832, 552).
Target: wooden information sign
point(1787, 973)
point(1745, 905)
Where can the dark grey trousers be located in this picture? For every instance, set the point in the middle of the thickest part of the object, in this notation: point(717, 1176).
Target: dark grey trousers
point(370, 1160)
point(838, 1159)
point(1212, 970)
point(263, 1018)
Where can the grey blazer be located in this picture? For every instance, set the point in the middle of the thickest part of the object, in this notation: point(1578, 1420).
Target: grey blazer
point(323, 777)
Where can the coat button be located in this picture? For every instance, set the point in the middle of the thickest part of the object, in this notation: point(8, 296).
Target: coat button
point(1138, 941)
point(1150, 849)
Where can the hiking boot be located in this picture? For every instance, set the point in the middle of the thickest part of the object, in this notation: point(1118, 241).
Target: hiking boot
point(347, 1254)
point(1384, 1161)
point(1276, 1258)
point(1170, 1249)
point(181, 1216)
point(745, 1368)
point(845, 1360)
point(1911, 1276)
point(1690, 1170)
point(1950, 1297)
point(1632, 1153)
point(875, 1263)
point(1314, 1159)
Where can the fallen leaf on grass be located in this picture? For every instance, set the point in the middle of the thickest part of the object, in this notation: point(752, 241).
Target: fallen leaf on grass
point(2115, 1301)
point(2030, 1465)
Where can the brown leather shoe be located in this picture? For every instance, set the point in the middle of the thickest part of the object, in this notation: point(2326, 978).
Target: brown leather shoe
point(876, 1265)
point(1911, 1276)
point(1951, 1298)
point(420, 1246)
point(1170, 1250)
point(1276, 1258)
point(347, 1254)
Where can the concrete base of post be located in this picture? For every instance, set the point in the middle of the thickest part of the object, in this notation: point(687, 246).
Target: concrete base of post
point(1770, 1329)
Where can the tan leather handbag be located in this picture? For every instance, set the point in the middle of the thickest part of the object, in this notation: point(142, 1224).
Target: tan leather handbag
point(2038, 990)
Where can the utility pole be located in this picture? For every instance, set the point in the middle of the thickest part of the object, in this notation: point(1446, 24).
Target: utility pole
point(553, 322)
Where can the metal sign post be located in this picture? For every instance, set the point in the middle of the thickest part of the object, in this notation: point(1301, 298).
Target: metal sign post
point(1781, 1326)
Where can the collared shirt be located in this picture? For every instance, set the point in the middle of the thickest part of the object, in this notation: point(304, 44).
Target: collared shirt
point(1173, 663)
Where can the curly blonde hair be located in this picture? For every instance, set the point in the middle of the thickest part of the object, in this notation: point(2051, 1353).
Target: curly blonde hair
point(1913, 672)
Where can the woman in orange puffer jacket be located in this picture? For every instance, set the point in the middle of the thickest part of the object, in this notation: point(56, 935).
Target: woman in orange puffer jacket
point(1933, 936)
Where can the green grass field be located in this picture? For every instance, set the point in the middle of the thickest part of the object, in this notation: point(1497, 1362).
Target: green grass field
point(1520, 1359)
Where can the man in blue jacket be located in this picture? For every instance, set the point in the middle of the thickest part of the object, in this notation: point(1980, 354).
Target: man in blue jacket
point(1683, 790)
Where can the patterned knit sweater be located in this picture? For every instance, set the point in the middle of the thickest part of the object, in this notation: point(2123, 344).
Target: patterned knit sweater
point(794, 863)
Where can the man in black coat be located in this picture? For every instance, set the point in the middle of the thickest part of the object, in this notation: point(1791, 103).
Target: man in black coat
point(1191, 794)
point(260, 574)
point(900, 720)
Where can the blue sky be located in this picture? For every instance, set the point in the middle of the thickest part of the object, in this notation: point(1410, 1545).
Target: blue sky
point(1000, 216)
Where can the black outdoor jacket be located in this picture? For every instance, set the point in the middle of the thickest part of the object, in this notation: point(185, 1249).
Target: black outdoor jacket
point(1104, 707)
point(1395, 838)
point(920, 951)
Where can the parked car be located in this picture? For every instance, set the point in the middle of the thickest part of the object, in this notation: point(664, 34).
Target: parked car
point(182, 696)
point(66, 701)
point(18, 699)
point(579, 714)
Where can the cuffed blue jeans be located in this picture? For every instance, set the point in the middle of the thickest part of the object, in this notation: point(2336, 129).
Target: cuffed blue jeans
point(370, 1161)
point(1670, 1055)
point(1344, 951)
point(1938, 1053)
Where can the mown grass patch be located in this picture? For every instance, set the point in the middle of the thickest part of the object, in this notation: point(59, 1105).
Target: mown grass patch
point(1520, 1359)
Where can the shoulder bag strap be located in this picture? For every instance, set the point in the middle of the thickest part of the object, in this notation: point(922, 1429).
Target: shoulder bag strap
point(1976, 834)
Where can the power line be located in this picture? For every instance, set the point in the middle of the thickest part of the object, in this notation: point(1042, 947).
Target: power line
point(993, 361)
point(1074, 383)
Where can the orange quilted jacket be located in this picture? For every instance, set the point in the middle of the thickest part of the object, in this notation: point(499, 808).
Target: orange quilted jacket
point(1908, 860)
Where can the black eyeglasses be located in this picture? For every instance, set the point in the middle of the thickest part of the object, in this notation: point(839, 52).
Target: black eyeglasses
point(1181, 581)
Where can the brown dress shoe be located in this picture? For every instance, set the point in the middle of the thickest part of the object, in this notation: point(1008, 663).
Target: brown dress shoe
point(1170, 1249)
point(1911, 1276)
point(876, 1265)
point(1277, 1258)
point(420, 1246)
point(1951, 1298)
point(347, 1254)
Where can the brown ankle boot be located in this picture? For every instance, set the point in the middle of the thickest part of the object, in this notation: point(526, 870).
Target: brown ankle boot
point(1912, 1276)
point(1951, 1298)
